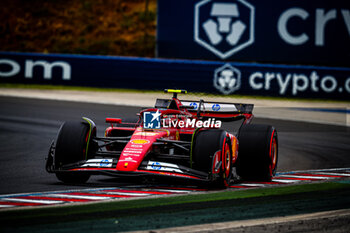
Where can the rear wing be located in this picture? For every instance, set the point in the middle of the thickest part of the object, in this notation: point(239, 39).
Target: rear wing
point(223, 111)
point(218, 107)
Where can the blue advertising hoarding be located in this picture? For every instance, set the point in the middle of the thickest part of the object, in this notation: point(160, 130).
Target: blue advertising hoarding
point(270, 31)
point(195, 76)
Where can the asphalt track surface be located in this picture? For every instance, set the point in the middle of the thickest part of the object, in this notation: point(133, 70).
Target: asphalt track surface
point(27, 127)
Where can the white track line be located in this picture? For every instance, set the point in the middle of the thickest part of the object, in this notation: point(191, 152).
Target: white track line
point(285, 181)
point(126, 194)
point(334, 174)
point(307, 177)
point(172, 191)
point(32, 201)
point(315, 170)
point(253, 185)
point(79, 197)
point(6, 206)
point(55, 192)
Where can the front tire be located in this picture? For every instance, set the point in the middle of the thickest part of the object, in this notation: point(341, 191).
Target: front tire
point(71, 147)
point(258, 152)
point(210, 147)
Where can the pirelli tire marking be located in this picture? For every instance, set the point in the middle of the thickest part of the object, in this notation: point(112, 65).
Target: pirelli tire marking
point(10, 201)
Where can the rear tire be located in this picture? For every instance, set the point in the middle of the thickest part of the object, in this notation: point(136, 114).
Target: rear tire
point(71, 146)
point(258, 152)
point(210, 146)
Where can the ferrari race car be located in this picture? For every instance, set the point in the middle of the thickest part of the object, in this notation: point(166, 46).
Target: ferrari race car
point(182, 139)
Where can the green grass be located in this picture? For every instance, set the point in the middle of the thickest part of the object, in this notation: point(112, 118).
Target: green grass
point(124, 90)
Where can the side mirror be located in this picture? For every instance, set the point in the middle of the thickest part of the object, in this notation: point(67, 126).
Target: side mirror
point(113, 120)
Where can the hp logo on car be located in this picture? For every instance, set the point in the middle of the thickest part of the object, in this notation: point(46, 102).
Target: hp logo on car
point(156, 166)
point(194, 105)
point(224, 27)
point(104, 163)
point(216, 107)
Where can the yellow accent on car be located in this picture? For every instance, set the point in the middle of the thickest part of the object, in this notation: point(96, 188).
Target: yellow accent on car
point(139, 141)
point(175, 91)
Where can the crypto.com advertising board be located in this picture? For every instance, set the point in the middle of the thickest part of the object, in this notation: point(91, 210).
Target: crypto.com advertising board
point(157, 74)
point(314, 32)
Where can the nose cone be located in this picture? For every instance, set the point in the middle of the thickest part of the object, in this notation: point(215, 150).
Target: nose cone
point(133, 154)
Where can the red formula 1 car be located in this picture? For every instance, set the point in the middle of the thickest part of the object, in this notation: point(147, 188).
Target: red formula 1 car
point(182, 139)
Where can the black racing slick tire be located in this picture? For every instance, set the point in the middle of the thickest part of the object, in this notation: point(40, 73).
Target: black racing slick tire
point(210, 147)
point(71, 146)
point(258, 152)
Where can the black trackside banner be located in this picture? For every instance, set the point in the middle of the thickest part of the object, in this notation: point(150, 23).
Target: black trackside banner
point(196, 76)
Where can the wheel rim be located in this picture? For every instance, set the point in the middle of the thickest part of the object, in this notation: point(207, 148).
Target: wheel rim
point(227, 167)
point(273, 155)
point(216, 160)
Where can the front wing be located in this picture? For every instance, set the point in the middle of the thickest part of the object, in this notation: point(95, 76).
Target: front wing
point(108, 166)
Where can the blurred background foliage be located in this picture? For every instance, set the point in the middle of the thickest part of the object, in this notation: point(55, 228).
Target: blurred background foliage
point(102, 27)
